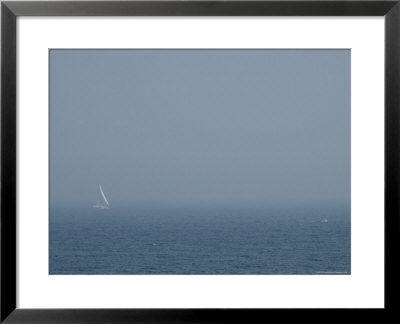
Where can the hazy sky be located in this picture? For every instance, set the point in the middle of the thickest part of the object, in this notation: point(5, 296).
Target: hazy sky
point(209, 126)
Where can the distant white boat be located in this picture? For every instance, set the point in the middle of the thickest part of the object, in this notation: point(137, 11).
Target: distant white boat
point(102, 201)
point(325, 220)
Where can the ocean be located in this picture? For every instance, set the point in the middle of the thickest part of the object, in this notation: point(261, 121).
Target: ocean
point(200, 239)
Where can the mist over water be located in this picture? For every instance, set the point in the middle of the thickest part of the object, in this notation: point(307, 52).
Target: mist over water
point(212, 161)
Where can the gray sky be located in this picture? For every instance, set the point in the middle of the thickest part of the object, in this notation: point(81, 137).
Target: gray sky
point(209, 126)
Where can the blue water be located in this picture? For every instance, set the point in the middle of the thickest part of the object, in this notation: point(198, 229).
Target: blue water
point(195, 239)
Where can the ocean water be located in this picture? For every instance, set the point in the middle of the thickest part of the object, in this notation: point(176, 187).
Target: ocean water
point(200, 239)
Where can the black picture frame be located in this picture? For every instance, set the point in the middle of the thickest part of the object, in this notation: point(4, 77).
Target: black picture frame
point(10, 10)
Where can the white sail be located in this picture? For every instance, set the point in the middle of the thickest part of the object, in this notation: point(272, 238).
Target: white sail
point(103, 196)
point(102, 201)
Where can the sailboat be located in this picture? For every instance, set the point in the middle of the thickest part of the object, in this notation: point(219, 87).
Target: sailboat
point(102, 201)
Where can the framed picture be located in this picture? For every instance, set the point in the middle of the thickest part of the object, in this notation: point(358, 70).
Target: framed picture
point(198, 161)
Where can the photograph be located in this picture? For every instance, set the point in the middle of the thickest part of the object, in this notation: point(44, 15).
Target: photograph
point(199, 161)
